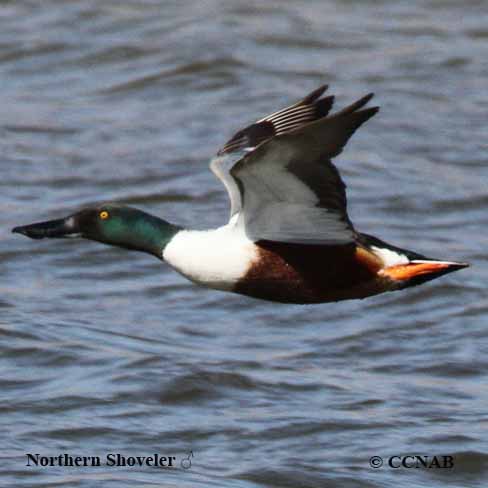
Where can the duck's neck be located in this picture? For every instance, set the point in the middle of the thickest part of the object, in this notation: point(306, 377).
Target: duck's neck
point(142, 232)
point(155, 235)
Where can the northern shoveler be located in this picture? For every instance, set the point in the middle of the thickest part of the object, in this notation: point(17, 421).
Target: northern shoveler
point(289, 238)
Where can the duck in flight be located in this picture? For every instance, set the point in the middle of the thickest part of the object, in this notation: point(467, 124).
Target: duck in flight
point(289, 238)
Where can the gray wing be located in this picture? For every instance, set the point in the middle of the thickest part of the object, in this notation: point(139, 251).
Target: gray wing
point(289, 189)
point(310, 108)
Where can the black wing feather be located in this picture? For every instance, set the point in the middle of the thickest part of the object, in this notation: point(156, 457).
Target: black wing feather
point(309, 109)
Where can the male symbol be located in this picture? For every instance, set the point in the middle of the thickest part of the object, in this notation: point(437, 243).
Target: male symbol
point(186, 462)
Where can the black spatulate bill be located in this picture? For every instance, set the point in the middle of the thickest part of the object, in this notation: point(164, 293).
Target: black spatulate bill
point(51, 228)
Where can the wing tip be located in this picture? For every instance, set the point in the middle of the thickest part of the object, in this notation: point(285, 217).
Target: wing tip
point(366, 98)
point(354, 107)
point(371, 110)
point(316, 94)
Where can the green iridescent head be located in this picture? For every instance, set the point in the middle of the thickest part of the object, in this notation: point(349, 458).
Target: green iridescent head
point(110, 223)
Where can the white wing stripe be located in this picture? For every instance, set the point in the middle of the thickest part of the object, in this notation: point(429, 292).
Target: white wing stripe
point(304, 111)
point(276, 114)
point(294, 119)
point(293, 109)
point(289, 124)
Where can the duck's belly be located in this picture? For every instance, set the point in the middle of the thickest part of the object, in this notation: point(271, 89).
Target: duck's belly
point(296, 273)
point(290, 273)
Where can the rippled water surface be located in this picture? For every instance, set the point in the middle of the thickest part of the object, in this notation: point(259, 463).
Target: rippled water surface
point(105, 351)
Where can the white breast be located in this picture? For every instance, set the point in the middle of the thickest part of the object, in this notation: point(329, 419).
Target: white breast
point(215, 258)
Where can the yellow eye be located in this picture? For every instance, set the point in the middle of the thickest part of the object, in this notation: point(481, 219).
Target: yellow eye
point(104, 215)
